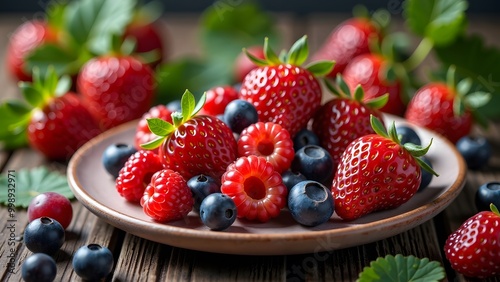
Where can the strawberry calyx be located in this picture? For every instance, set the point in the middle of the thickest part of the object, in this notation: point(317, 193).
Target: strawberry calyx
point(494, 209)
point(416, 151)
point(163, 129)
point(296, 56)
point(342, 90)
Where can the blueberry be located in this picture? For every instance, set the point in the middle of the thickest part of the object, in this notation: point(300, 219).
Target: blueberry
point(488, 193)
point(315, 163)
point(174, 106)
point(239, 114)
point(310, 203)
point(115, 156)
point(201, 186)
point(426, 176)
point(304, 137)
point(44, 235)
point(39, 267)
point(475, 150)
point(218, 211)
point(93, 262)
point(408, 135)
point(291, 178)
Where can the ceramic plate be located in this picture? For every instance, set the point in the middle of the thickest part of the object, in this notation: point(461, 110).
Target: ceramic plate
point(94, 188)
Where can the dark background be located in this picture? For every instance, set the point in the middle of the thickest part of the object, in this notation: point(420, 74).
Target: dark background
point(295, 6)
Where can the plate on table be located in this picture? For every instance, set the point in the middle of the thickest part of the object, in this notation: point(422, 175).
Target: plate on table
point(94, 188)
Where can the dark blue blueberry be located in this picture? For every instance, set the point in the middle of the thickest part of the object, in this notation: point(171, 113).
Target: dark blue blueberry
point(408, 135)
point(239, 114)
point(218, 211)
point(115, 156)
point(426, 176)
point(315, 163)
point(291, 178)
point(475, 150)
point(310, 203)
point(44, 235)
point(201, 186)
point(304, 137)
point(39, 267)
point(488, 193)
point(174, 106)
point(93, 262)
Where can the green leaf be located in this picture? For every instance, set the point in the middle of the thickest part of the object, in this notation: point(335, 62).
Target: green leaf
point(343, 85)
point(63, 61)
point(402, 268)
point(299, 52)
point(463, 86)
point(153, 144)
point(13, 125)
point(378, 126)
point(188, 104)
point(439, 20)
point(200, 104)
point(359, 93)
point(477, 99)
point(32, 182)
point(269, 54)
point(320, 68)
point(63, 85)
point(377, 102)
point(91, 23)
point(18, 107)
point(159, 126)
point(31, 94)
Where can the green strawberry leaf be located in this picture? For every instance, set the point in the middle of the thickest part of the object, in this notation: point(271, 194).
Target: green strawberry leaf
point(187, 105)
point(320, 68)
point(378, 126)
point(401, 268)
point(13, 124)
point(298, 52)
point(153, 144)
point(159, 126)
point(30, 93)
point(269, 54)
point(377, 102)
point(359, 93)
point(344, 88)
point(32, 182)
point(64, 61)
point(442, 21)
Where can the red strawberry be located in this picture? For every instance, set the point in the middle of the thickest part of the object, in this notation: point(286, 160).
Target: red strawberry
point(23, 41)
point(193, 144)
point(167, 197)
point(136, 175)
point(446, 108)
point(217, 99)
point(348, 40)
point(344, 118)
point(255, 187)
point(270, 141)
point(116, 88)
point(376, 172)
point(148, 38)
point(243, 65)
point(282, 91)
point(474, 248)
point(55, 122)
point(369, 71)
point(142, 132)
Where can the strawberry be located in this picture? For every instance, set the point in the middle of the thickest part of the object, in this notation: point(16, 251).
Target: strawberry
point(136, 174)
point(255, 187)
point(193, 144)
point(348, 40)
point(116, 88)
point(474, 248)
point(147, 38)
point(23, 41)
point(370, 71)
point(446, 108)
point(268, 140)
point(344, 118)
point(376, 172)
point(217, 99)
point(281, 90)
point(55, 123)
point(167, 197)
point(142, 132)
point(243, 65)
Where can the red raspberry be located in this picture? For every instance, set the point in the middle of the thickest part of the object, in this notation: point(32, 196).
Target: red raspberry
point(255, 187)
point(142, 132)
point(136, 174)
point(167, 197)
point(217, 99)
point(269, 140)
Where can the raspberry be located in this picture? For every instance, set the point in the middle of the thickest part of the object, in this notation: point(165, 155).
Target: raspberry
point(269, 140)
point(136, 174)
point(142, 132)
point(255, 187)
point(167, 197)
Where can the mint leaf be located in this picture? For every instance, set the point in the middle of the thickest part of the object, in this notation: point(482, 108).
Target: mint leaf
point(439, 20)
point(32, 182)
point(480, 64)
point(91, 23)
point(401, 268)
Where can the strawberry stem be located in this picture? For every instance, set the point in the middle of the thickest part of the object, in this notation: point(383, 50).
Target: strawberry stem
point(423, 49)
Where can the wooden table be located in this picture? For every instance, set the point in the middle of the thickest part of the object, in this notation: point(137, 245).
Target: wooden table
point(138, 259)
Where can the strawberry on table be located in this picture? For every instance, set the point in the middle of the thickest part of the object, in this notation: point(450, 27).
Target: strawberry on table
point(193, 144)
point(474, 248)
point(377, 172)
point(281, 90)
